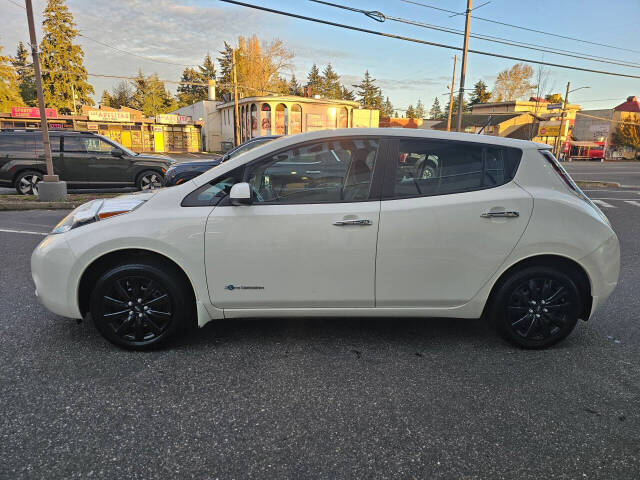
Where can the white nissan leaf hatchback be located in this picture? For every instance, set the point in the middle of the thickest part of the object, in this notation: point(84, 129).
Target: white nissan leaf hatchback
point(354, 222)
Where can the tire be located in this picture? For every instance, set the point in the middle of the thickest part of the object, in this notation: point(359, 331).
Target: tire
point(150, 180)
point(140, 305)
point(27, 182)
point(536, 307)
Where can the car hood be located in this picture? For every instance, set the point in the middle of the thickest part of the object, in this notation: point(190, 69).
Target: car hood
point(157, 158)
point(210, 162)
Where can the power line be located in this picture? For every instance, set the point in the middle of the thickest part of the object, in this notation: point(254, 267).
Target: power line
point(381, 17)
point(425, 42)
point(523, 28)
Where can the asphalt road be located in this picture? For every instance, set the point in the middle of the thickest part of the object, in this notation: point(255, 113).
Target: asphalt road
point(318, 398)
point(624, 173)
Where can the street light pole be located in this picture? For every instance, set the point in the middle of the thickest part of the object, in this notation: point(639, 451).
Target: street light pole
point(50, 176)
point(463, 70)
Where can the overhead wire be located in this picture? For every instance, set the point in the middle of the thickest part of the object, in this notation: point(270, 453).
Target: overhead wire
point(490, 20)
point(426, 42)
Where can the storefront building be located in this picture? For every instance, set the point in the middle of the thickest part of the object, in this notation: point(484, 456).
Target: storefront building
point(164, 133)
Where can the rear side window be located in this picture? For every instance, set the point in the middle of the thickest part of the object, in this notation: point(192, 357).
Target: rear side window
point(426, 167)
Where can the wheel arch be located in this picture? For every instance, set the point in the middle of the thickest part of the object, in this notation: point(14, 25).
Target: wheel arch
point(101, 263)
point(567, 265)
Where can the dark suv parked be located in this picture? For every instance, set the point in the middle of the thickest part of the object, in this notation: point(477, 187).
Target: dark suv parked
point(82, 159)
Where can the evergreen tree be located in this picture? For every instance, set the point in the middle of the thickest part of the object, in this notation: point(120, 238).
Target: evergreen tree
point(347, 94)
point(480, 93)
point(454, 108)
point(151, 96)
point(294, 86)
point(26, 77)
point(368, 94)
point(420, 113)
point(121, 95)
point(387, 108)
point(63, 74)
point(410, 113)
point(225, 80)
point(315, 82)
point(331, 87)
point(188, 93)
point(436, 111)
point(208, 68)
point(105, 99)
point(9, 88)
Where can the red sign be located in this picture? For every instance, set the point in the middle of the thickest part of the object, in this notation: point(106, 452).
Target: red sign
point(33, 112)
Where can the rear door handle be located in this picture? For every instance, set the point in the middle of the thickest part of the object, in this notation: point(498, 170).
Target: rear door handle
point(357, 221)
point(506, 214)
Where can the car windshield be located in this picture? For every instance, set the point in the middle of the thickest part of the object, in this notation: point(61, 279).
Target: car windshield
point(246, 147)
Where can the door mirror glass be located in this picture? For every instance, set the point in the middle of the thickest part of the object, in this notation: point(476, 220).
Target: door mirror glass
point(240, 194)
point(116, 152)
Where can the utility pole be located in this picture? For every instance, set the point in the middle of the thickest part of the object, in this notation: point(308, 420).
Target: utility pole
point(558, 142)
point(50, 177)
point(463, 70)
point(453, 81)
point(235, 98)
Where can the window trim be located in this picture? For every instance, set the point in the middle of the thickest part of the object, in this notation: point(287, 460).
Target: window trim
point(389, 183)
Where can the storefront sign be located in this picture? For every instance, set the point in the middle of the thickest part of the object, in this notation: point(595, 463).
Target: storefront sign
point(108, 116)
point(171, 119)
point(554, 106)
point(33, 112)
point(549, 131)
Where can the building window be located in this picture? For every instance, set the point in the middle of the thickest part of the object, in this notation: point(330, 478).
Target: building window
point(296, 119)
point(265, 119)
point(282, 119)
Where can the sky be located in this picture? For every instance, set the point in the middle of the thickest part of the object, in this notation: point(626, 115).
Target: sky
point(181, 32)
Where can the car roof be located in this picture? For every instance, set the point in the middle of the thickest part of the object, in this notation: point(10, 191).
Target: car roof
point(51, 132)
point(410, 133)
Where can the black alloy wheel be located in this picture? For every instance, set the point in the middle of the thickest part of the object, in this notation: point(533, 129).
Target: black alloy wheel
point(139, 306)
point(150, 180)
point(537, 307)
point(27, 182)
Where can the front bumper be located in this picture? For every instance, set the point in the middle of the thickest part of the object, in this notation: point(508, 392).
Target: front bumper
point(51, 265)
point(603, 267)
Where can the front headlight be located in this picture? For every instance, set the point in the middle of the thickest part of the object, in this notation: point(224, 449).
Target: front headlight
point(96, 210)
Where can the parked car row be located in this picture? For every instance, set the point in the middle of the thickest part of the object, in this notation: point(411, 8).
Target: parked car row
point(82, 159)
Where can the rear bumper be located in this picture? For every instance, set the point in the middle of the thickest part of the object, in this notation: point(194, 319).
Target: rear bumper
point(603, 268)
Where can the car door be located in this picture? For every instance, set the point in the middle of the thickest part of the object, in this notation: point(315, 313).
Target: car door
point(75, 159)
point(308, 240)
point(104, 167)
point(443, 227)
point(34, 144)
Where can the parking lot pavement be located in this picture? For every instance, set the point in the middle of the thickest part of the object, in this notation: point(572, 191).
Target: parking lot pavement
point(317, 398)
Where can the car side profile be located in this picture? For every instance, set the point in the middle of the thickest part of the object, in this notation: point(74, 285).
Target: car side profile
point(185, 171)
point(341, 223)
point(82, 159)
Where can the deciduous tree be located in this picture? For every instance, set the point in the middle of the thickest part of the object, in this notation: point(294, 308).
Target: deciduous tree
point(9, 89)
point(63, 74)
point(627, 136)
point(554, 98)
point(151, 96)
point(514, 83)
point(122, 95)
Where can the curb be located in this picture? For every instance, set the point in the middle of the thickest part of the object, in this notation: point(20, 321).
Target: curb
point(35, 205)
point(597, 183)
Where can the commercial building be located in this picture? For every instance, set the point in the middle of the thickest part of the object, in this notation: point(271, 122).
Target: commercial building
point(162, 133)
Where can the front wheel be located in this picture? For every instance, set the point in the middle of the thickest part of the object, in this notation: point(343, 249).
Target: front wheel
point(150, 180)
point(536, 307)
point(140, 305)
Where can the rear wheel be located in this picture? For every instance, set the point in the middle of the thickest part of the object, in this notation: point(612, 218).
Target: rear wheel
point(536, 307)
point(150, 180)
point(141, 305)
point(27, 182)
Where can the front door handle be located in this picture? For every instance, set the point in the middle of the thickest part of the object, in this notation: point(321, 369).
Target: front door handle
point(356, 221)
point(506, 214)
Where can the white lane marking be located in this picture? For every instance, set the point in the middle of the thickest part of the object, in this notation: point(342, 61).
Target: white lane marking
point(22, 231)
point(633, 202)
point(603, 204)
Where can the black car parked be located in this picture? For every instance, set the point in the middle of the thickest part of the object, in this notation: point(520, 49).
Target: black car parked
point(185, 171)
point(82, 159)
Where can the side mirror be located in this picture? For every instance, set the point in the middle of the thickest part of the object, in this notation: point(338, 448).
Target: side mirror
point(241, 194)
point(116, 152)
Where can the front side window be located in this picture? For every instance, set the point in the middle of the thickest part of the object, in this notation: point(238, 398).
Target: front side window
point(432, 167)
point(328, 171)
